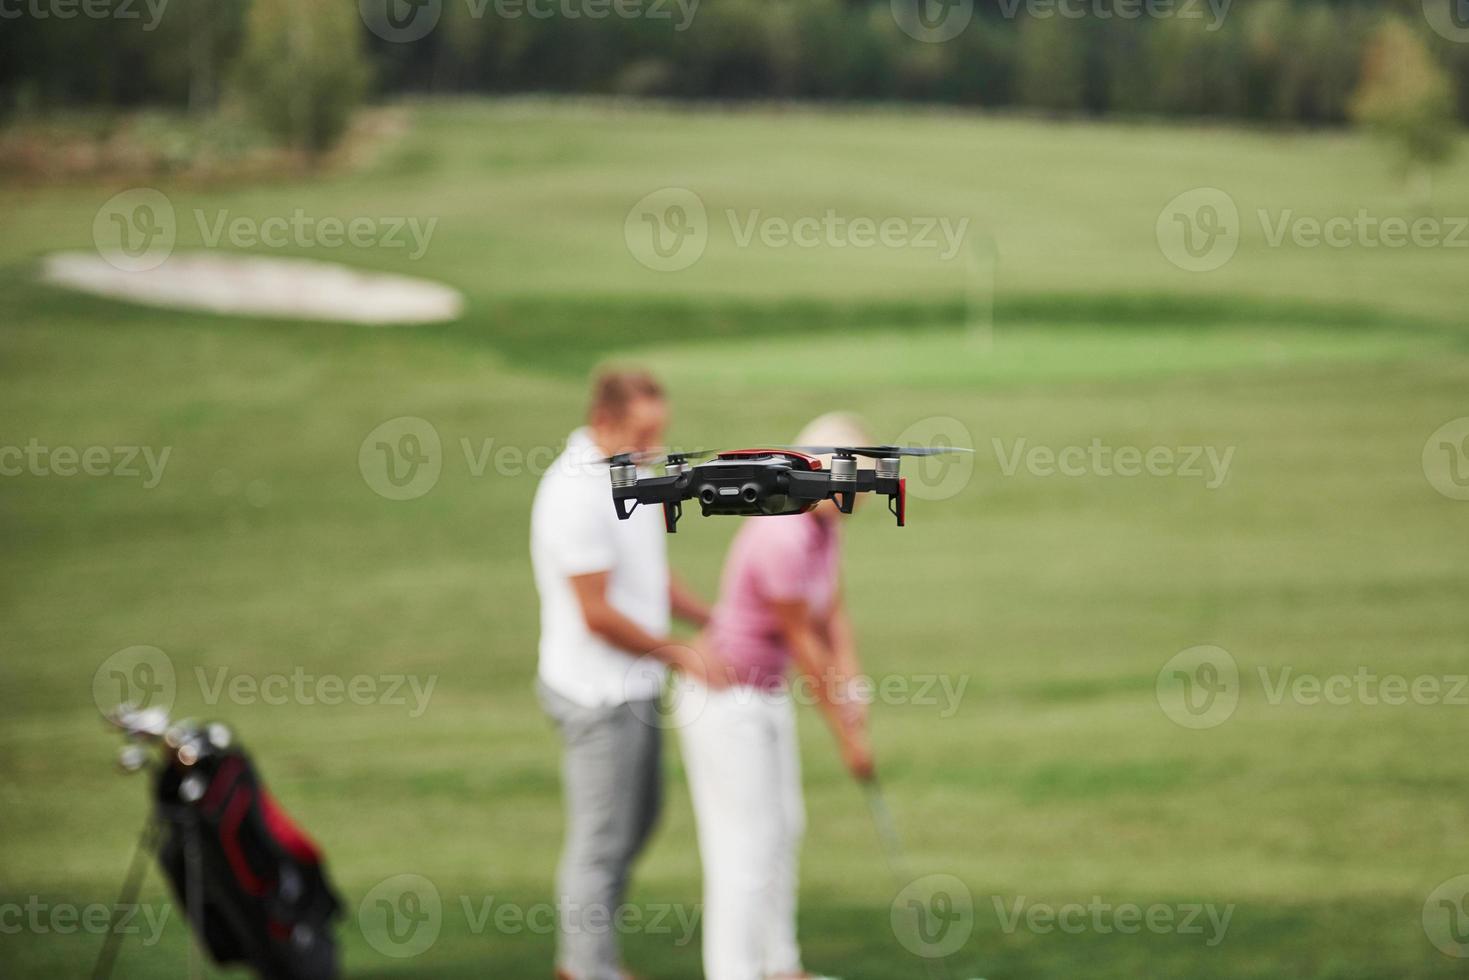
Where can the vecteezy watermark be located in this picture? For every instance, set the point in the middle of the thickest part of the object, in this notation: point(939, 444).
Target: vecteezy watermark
point(1446, 917)
point(936, 21)
point(943, 476)
point(144, 676)
point(933, 917)
point(1098, 917)
point(402, 917)
point(136, 230)
point(1362, 230)
point(1208, 463)
point(41, 918)
point(940, 693)
point(1448, 18)
point(148, 12)
point(403, 458)
point(405, 21)
point(1199, 687)
point(1199, 230)
point(1446, 459)
point(932, 21)
point(146, 463)
point(1363, 686)
point(302, 688)
point(1214, 10)
point(669, 229)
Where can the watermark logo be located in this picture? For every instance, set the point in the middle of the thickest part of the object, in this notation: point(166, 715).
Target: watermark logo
point(643, 683)
point(1446, 459)
point(404, 21)
point(401, 916)
point(1362, 230)
point(932, 21)
point(1448, 18)
point(41, 918)
point(123, 10)
point(402, 458)
point(938, 477)
point(667, 230)
point(933, 917)
point(1207, 463)
point(1103, 918)
point(400, 21)
point(1198, 230)
point(1199, 687)
point(127, 462)
point(135, 230)
point(141, 676)
point(1446, 917)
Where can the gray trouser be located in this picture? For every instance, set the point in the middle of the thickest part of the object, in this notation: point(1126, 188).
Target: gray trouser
point(612, 778)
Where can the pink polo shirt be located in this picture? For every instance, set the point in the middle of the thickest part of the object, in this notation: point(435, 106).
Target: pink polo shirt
point(771, 559)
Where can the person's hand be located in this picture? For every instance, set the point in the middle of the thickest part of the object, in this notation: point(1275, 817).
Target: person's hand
point(857, 756)
point(718, 674)
point(852, 710)
point(699, 662)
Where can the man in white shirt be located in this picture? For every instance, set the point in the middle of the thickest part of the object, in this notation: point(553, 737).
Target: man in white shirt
point(606, 601)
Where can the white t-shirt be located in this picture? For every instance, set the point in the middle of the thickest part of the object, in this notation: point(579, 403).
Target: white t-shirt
point(574, 530)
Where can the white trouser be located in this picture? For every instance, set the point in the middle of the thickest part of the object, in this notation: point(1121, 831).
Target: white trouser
point(744, 771)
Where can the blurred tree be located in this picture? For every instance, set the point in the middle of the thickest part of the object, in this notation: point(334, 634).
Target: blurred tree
point(1052, 63)
point(1406, 98)
point(302, 69)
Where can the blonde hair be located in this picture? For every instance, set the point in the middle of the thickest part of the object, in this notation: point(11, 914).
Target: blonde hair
point(836, 429)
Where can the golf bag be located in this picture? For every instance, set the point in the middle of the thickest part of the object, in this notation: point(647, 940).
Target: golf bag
point(251, 884)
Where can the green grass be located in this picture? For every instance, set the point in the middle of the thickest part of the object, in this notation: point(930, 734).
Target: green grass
point(1055, 599)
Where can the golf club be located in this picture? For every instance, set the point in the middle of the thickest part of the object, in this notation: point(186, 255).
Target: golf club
point(897, 862)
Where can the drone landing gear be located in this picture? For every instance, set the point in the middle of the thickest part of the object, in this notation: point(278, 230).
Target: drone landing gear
point(672, 511)
point(898, 502)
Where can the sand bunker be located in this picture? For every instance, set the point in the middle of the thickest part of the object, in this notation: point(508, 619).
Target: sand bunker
point(250, 285)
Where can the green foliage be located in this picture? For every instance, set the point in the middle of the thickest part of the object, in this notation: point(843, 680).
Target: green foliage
point(1289, 61)
point(302, 70)
point(1405, 97)
point(1052, 63)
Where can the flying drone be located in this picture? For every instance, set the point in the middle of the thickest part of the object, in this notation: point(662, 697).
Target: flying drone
point(751, 482)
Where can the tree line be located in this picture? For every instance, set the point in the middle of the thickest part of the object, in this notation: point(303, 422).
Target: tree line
point(306, 61)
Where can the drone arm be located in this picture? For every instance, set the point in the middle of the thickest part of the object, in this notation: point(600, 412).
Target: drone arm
point(819, 486)
point(665, 490)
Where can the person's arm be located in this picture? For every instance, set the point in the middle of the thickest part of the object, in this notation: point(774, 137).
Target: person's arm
point(608, 622)
point(817, 659)
point(686, 604)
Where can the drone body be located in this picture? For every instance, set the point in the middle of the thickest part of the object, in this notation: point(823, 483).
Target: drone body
point(763, 482)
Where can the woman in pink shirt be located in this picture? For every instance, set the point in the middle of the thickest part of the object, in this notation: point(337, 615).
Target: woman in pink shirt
point(779, 608)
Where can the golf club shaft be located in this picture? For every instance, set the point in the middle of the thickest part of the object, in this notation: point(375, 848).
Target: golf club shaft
point(892, 847)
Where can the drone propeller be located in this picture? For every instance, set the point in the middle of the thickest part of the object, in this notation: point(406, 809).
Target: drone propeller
point(880, 452)
point(657, 457)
